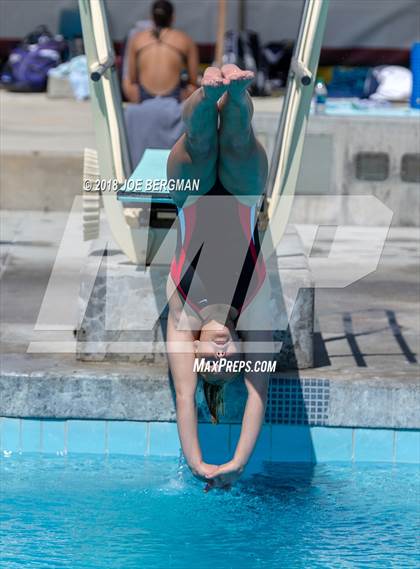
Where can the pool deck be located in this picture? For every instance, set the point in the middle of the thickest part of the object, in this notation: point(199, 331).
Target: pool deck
point(366, 344)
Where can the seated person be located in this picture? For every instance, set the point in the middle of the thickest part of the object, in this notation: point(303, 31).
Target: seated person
point(156, 58)
point(218, 291)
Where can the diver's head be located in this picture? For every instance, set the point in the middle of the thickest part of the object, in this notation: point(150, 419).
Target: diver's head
point(218, 350)
point(217, 340)
point(218, 337)
point(162, 13)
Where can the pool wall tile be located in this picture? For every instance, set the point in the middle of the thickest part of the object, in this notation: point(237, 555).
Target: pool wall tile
point(408, 446)
point(214, 442)
point(31, 437)
point(332, 444)
point(373, 445)
point(53, 437)
point(11, 434)
point(279, 443)
point(164, 440)
point(291, 443)
point(127, 437)
point(86, 436)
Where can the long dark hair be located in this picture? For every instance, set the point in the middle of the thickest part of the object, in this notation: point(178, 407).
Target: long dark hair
point(214, 399)
point(162, 12)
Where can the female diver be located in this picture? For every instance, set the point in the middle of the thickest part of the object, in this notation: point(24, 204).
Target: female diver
point(217, 289)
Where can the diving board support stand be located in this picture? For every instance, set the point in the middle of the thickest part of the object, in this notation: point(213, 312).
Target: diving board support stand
point(98, 69)
point(288, 146)
point(113, 162)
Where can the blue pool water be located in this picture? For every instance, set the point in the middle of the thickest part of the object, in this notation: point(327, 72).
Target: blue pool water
point(87, 512)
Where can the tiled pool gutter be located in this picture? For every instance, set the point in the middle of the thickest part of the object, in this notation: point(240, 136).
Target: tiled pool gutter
point(307, 420)
point(282, 443)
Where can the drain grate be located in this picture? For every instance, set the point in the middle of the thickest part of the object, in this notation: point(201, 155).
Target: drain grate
point(298, 402)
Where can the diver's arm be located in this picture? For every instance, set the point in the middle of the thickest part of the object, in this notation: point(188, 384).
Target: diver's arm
point(186, 412)
point(185, 383)
point(227, 474)
point(257, 387)
point(257, 335)
point(187, 427)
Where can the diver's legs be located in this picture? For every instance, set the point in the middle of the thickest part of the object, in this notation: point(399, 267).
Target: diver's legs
point(242, 160)
point(194, 156)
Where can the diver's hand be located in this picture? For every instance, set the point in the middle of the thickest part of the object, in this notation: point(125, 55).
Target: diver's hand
point(202, 470)
point(225, 475)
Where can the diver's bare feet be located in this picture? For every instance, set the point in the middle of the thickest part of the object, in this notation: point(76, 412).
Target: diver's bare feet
point(238, 80)
point(214, 84)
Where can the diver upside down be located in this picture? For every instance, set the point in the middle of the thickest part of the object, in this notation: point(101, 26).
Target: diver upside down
point(218, 290)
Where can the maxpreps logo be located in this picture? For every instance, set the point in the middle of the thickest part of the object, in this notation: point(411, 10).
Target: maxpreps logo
point(224, 365)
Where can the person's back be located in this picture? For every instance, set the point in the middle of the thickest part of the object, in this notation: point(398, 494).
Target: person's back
point(161, 59)
point(157, 58)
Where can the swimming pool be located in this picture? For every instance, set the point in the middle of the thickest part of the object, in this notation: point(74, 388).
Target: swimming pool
point(130, 512)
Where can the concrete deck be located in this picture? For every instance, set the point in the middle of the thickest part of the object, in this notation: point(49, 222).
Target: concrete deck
point(366, 346)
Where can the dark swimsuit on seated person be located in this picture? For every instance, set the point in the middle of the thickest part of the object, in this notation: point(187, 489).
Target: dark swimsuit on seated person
point(145, 95)
point(175, 93)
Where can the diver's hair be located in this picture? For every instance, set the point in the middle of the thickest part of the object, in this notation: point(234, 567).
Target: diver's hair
point(214, 399)
point(162, 12)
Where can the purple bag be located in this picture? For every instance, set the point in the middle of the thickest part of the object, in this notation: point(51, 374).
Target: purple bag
point(28, 64)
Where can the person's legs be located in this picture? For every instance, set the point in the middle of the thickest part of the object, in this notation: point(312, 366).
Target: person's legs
point(242, 160)
point(195, 154)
